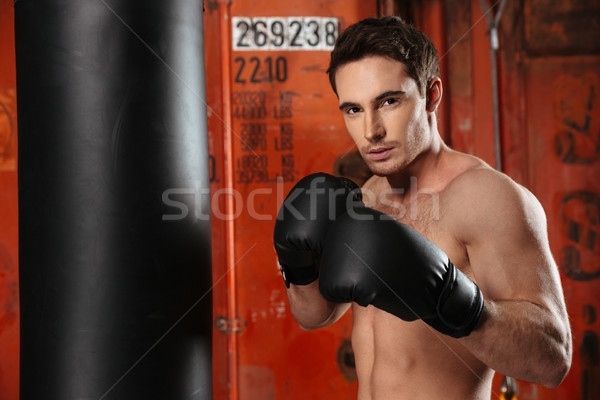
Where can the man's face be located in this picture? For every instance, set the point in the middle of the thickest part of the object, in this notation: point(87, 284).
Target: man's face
point(384, 113)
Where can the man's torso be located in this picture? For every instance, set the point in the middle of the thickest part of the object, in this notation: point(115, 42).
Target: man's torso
point(410, 360)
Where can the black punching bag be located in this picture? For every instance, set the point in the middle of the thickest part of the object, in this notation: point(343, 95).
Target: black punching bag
point(115, 264)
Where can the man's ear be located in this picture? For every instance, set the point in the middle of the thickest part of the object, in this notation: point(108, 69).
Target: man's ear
point(433, 94)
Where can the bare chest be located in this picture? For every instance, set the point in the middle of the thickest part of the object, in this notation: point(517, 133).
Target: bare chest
point(427, 213)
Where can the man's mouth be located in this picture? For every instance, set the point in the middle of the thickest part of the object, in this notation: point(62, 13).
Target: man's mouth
point(379, 153)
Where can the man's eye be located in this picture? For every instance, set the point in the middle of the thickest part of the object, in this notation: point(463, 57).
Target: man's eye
point(388, 102)
point(352, 110)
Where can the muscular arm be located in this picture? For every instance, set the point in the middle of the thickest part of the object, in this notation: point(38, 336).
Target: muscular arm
point(524, 340)
point(524, 331)
point(310, 309)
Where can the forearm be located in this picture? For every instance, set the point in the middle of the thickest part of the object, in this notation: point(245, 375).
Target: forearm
point(523, 340)
point(310, 309)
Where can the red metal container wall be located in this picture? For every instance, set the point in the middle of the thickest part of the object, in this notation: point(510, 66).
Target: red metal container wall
point(274, 120)
point(9, 277)
point(548, 76)
point(559, 65)
point(564, 132)
point(261, 319)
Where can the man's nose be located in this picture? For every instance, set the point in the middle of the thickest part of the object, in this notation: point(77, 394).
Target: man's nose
point(374, 129)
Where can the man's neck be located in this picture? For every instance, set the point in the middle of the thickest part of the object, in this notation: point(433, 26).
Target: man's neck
point(423, 170)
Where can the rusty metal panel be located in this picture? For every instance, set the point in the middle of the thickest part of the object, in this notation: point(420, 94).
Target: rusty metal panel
point(468, 87)
point(483, 109)
point(562, 27)
point(459, 86)
point(564, 133)
point(550, 137)
point(273, 120)
point(431, 20)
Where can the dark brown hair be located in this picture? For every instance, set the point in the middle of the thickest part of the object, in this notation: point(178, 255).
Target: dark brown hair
point(388, 37)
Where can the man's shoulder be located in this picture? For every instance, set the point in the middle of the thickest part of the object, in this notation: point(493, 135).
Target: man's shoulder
point(483, 183)
point(482, 196)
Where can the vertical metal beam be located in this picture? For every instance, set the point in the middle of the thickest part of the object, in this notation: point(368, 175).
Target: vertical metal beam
point(226, 93)
point(493, 23)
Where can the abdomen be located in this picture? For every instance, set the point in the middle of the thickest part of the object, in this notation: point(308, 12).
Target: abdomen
point(397, 360)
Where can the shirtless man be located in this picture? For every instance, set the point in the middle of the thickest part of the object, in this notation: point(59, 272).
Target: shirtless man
point(460, 282)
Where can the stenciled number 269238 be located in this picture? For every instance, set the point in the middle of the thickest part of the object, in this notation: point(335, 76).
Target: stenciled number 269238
point(284, 33)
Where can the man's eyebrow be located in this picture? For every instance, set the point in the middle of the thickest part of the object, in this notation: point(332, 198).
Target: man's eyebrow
point(377, 99)
point(389, 93)
point(347, 104)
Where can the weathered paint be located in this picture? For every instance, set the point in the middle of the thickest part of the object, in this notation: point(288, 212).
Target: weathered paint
point(274, 119)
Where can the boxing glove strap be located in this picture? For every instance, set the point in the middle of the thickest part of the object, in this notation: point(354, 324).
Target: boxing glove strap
point(298, 276)
point(459, 306)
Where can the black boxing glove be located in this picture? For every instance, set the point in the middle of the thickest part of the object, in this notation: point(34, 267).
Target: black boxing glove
point(370, 258)
point(303, 221)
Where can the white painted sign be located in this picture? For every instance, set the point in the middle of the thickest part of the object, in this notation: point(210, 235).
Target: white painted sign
point(284, 33)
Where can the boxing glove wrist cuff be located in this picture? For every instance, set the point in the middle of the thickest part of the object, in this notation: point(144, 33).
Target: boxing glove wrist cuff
point(460, 306)
point(298, 276)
